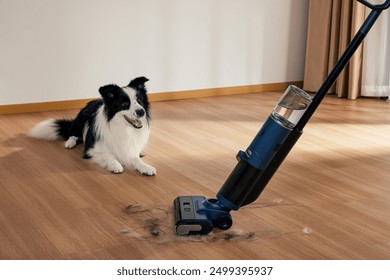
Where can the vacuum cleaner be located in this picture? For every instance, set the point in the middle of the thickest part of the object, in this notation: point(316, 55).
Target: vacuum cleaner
point(259, 162)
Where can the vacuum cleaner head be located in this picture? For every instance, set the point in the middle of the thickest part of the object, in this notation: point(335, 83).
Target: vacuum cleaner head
point(198, 215)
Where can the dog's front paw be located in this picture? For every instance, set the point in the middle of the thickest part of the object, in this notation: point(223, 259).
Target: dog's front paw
point(115, 167)
point(71, 142)
point(147, 170)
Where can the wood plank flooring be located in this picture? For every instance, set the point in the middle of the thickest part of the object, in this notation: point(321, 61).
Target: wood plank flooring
point(330, 199)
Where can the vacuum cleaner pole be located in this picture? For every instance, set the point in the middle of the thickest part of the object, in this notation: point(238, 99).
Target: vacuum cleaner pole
point(259, 162)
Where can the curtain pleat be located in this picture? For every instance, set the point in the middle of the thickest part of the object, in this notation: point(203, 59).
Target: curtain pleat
point(318, 41)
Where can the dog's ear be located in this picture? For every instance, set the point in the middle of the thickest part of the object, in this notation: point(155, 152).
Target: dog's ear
point(108, 92)
point(138, 83)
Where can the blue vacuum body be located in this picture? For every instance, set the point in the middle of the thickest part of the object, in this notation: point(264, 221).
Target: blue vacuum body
point(259, 162)
point(255, 167)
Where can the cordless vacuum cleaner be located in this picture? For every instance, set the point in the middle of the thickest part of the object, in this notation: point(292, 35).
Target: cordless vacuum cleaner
point(259, 162)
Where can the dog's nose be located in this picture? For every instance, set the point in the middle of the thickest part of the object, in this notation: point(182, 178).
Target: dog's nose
point(140, 113)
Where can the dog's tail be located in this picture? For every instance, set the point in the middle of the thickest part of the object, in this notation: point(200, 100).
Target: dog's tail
point(51, 129)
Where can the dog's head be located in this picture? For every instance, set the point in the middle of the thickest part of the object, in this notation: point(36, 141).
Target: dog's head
point(129, 102)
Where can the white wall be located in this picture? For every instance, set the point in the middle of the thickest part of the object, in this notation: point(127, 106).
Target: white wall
point(63, 50)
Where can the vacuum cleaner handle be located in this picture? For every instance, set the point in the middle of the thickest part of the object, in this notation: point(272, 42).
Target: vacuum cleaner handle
point(380, 7)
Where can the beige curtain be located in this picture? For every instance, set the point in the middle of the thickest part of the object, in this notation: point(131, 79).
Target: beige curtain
point(332, 24)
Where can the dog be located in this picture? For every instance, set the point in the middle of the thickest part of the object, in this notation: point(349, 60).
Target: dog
point(114, 129)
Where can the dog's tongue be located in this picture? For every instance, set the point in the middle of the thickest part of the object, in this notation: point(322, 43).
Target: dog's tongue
point(136, 123)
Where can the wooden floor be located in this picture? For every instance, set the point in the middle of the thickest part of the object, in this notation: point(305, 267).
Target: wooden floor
point(330, 199)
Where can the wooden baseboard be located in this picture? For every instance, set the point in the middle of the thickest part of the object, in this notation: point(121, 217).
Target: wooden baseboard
point(163, 96)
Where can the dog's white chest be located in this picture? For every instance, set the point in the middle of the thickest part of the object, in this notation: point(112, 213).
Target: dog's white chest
point(126, 143)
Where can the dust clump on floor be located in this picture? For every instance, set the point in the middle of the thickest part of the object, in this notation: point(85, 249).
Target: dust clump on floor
point(152, 225)
point(132, 208)
point(144, 222)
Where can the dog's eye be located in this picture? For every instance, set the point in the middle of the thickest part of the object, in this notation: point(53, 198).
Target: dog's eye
point(139, 100)
point(125, 104)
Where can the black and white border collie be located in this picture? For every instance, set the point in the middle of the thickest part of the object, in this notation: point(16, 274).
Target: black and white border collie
point(114, 129)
